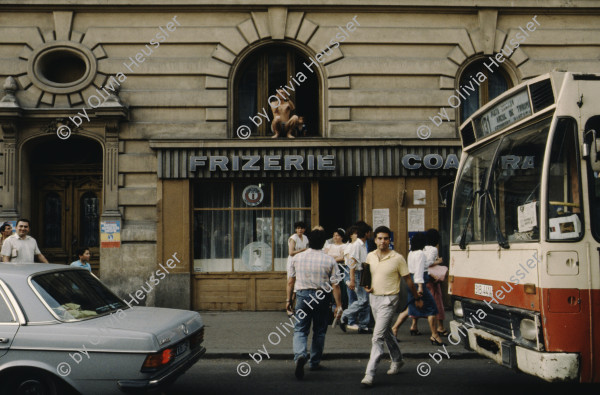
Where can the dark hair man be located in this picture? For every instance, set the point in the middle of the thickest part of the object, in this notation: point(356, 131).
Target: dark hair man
point(387, 268)
point(314, 275)
point(21, 248)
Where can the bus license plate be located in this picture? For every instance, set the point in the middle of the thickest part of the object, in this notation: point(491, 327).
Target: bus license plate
point(483, 290)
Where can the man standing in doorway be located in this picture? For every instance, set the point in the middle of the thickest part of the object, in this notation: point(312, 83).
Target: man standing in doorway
point(315, 275)
point(387, 268)
point(358, 309)
point(21, 248)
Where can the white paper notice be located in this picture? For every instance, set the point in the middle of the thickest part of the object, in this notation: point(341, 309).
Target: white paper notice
point(419, 197)
point(416, 219)
point(381, 217)
point(527, 217)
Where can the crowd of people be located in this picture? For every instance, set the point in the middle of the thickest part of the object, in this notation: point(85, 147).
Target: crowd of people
point(368, 298)
point(22, 248)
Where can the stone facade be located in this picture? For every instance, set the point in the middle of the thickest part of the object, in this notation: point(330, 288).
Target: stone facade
point(392, 73)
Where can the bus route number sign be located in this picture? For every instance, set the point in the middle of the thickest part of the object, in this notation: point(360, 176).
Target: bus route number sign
point(483, 290)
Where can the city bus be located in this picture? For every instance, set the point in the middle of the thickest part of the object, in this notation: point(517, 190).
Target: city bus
point(524, 270)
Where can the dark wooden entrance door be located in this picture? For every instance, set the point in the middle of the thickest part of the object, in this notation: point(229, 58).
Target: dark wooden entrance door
point(67, 211)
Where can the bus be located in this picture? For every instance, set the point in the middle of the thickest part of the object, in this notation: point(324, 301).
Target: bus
point(524, 270)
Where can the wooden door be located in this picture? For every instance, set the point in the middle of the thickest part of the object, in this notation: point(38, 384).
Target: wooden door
point(68, 207)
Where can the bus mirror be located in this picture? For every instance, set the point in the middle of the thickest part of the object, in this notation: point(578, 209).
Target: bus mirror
point(591, 150)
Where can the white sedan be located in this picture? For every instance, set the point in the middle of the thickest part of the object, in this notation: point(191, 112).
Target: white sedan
point(62, 330)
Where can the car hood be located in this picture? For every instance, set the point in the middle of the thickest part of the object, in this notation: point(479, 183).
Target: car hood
point(137, 329)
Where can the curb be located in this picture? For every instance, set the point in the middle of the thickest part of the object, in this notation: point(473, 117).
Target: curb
point(338, 355)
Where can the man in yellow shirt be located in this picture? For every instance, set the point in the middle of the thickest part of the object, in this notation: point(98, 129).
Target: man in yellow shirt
point(387, 268)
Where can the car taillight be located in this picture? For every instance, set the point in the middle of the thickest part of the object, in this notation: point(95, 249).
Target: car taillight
point(197, 338)
point(158, 360)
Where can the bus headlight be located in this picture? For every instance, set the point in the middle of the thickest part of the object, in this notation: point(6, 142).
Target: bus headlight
point(458, 311)
point(528, 329)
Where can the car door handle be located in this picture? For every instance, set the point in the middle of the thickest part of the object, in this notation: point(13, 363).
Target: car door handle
point(4, 340)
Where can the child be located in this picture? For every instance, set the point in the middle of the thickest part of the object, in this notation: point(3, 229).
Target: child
point(84, 259)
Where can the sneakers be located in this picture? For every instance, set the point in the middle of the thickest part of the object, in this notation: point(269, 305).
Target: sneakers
point(367, 381)
point(300, 368)
point(395, 367)
point(365, 331)
point(353, 328)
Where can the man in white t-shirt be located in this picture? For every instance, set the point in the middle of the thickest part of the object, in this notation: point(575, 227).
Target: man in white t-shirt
point(21, 248)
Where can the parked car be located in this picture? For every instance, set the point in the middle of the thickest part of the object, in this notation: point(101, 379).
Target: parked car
point(61, 330)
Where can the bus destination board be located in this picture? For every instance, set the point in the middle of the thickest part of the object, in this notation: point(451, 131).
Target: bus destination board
point(504, 113)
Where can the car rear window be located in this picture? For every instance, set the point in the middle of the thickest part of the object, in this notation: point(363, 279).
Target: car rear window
point(73, 295)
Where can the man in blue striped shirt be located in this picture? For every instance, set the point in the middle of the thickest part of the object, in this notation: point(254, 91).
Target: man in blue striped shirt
point(314, 274)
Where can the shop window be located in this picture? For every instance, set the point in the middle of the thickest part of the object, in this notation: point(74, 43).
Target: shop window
point(267, 69)
point(564, 191)
point(245, 226)
point(478, 85)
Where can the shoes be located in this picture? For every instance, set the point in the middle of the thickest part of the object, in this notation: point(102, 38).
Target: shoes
point(315, 367)
point(300, 368)
point(395, 367)
point(365, 331)
point(353, 328)
point(415, 332)
point(435, 342)
point(367, 381)
point(342, 325)
point(443, 333)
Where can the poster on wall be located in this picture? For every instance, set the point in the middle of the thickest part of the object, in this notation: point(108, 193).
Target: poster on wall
point(381, 217)
point(416, 220)
point(419, 197)
point(110, 234)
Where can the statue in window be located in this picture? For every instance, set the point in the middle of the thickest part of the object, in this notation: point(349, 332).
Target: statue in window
point(283, 120)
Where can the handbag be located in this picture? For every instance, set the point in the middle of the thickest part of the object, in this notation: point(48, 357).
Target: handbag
point(438, 273)
point(365, 278)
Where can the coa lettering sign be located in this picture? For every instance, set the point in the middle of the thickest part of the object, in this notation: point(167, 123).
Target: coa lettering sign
point(253, 195)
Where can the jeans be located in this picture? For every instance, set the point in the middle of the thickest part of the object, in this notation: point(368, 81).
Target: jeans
point(316, 311)
point(383, 308)
point(358, 310)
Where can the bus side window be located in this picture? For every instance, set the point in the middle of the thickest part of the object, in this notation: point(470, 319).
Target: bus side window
point(564, 190)
point(593, 182)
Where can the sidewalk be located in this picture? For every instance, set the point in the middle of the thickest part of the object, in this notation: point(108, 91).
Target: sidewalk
point(236, 334)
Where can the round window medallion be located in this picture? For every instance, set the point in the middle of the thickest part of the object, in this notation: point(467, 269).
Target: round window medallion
point(65, 67)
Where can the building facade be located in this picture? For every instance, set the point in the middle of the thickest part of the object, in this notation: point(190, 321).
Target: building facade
point(142, 129)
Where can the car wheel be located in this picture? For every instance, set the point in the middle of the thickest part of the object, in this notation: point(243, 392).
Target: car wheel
point(35, 384)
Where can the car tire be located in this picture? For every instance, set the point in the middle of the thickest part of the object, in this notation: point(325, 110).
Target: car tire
point(33, 383)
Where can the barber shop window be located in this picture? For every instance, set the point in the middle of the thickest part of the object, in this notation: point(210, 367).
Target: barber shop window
point(565, 205)
point(259, 76)
point(245, 226)
point(479, 86)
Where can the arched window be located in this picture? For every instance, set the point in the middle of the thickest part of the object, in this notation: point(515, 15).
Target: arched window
point(267, 69)
point(480, 85)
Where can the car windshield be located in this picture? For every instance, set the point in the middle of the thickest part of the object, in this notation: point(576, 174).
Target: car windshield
point(75, 294)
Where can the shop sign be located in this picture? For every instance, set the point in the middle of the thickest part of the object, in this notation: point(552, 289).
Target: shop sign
point(268, 162)
point(253, 195)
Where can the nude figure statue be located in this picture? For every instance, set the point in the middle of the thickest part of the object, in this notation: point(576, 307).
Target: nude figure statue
point(282, 121)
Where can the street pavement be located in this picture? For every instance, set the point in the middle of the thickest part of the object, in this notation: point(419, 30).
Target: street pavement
point(237, 334)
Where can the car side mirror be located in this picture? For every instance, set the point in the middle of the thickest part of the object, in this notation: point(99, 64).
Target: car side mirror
point(591, 150)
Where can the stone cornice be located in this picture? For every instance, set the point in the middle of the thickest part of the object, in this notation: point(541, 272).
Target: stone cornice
point(562, 6)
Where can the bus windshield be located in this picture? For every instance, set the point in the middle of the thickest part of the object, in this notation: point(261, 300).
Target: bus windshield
point(498, 190)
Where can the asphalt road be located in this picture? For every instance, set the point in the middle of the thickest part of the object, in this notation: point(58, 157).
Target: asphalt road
point(342, 376)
